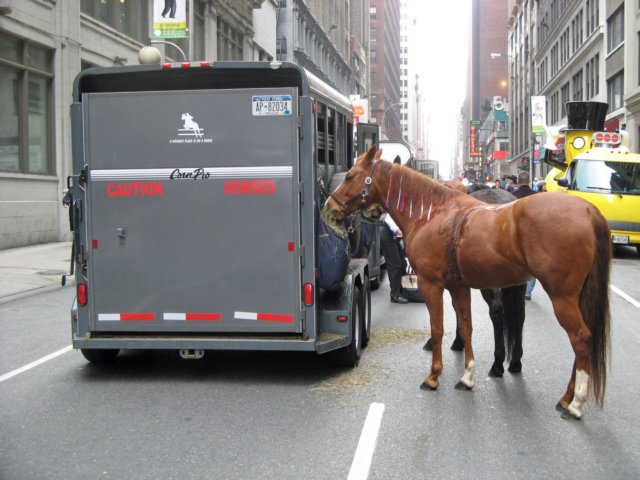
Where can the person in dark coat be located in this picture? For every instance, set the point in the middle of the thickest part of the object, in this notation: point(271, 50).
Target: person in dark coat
point(394, 258)
point(524, 190)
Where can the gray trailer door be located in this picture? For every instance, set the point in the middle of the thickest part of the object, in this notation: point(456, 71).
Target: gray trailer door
point(193, 211)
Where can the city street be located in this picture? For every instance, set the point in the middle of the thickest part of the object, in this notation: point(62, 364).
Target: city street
point(153, 415)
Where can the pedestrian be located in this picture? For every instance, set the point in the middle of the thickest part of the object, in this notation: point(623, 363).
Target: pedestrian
point(511, 183)
point(497, 184)
point(542, 186)
point(524, 190)
point(394, 257)
point(169, 8)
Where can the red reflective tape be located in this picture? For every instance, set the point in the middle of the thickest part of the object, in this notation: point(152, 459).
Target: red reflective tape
point(137, 317)
point(204, 317)
point(94, 244)
point(274, 317)
point(291, 246)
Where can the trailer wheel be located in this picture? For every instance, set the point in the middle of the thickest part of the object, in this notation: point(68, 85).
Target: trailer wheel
point(366, 311)
point(99, 355)
point(349, 356)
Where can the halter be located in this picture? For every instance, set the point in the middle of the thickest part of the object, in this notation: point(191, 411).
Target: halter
point(364, 194)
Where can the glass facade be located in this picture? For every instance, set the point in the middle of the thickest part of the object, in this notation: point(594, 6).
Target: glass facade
point(126, 16)
point(26, 125)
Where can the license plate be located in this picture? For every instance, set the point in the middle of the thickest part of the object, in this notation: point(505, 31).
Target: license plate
point(620, 239)
point(271, 105)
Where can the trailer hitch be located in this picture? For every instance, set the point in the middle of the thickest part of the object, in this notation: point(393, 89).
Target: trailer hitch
point(191, 354)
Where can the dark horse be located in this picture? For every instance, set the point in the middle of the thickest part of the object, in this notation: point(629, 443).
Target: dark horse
point(455, 241)
point(506, 305)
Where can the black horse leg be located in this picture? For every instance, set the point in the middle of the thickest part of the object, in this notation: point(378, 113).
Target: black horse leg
point(513, 298)
point(493, 297)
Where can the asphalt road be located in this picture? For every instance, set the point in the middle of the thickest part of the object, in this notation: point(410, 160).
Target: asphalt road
point(152, 415)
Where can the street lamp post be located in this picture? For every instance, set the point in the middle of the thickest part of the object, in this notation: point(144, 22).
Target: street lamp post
point(165, 42)
point(385, 113)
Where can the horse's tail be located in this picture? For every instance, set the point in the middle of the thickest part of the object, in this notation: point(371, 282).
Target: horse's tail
point(594, 306)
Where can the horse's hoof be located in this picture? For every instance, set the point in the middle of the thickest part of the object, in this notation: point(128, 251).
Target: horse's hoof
point(496, 372)
point(561, 408)
point(462, 386)
point(515, 367)
point(428, 346)
point(568, 415)
point(427, 387)
point(457, 345)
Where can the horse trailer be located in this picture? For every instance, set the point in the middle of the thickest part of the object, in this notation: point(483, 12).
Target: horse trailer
point(193, 205)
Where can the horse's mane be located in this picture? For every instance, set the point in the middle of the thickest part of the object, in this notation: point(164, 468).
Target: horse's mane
point(414, 181)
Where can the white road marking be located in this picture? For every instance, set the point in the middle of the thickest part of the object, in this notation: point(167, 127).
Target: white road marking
point(629, 299)
point(367, 443)
point(42, 360)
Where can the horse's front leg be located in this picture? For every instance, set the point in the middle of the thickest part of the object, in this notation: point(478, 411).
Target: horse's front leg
point(493, 297)
point(461, 299)
point(514, 312)
point(433, 298)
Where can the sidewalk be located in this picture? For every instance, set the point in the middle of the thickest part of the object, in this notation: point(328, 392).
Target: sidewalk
point(34, 269)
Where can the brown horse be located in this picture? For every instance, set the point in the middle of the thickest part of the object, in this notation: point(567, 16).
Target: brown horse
point(456, 242)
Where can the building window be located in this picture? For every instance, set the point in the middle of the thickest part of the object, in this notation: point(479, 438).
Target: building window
point(126, 16)
point(229, 42)
point(26, 126)
point(564, 98)
point(593, 77)
point(615, 87)
point(593, 13)
point(577, 86)
point(615, 29)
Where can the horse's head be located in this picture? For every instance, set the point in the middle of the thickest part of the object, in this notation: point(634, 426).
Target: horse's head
point(353, 193)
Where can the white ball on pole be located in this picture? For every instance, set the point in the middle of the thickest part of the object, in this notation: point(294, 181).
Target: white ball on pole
point(148, 55)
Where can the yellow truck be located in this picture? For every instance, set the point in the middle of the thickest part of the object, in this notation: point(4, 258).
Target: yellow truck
point(596, 165)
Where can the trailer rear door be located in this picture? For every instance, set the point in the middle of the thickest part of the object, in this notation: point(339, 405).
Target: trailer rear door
point(194, 215)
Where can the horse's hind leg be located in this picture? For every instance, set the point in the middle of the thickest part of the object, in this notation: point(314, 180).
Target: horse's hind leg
point(493, 297)
point(563, 404)
point(462, 304)
point(568, 314)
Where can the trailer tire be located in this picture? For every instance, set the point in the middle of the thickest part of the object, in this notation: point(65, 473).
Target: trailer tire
point(366, 311)
point(349, 356)
point(99, 355)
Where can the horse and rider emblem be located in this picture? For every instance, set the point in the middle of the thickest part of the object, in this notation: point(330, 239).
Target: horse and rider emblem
point(190, 128)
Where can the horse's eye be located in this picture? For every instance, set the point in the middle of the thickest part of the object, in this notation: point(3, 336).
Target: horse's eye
point(348, 178)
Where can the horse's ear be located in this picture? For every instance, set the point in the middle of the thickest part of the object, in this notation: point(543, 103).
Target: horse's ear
point(397, 159)
point(378, 154)
point(368, 157)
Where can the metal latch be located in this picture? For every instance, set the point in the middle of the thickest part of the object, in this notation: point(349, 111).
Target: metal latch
point(122, 235)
